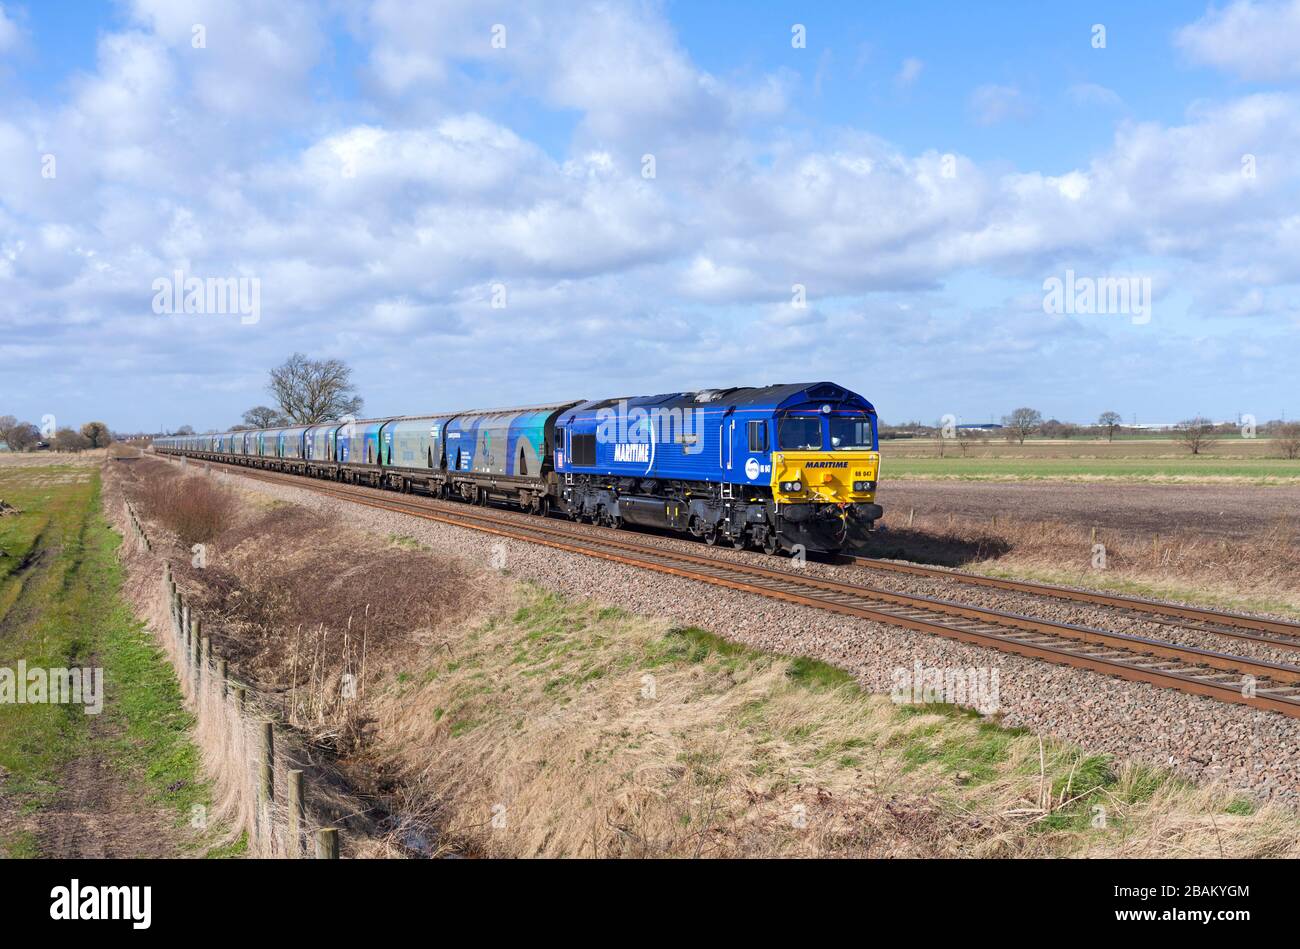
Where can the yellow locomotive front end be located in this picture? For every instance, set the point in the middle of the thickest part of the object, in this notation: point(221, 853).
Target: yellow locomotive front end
point(827, 477)
point(825, 473)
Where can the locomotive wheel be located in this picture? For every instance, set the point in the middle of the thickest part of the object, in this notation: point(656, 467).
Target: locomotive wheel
point(771, 545)
point(738, 542)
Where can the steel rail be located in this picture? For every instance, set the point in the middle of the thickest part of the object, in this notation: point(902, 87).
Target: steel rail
point(1221, 621)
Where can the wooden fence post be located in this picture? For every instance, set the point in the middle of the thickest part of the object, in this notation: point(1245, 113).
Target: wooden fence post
point(205, 654)
point(327, 843)
point(266, 782)
point(296, 814)
point(196, 628)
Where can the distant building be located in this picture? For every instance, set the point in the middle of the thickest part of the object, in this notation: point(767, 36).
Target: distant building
point(981, 427)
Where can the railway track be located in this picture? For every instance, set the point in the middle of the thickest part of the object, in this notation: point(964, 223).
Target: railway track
point(1223, 676)
point(1274, 632)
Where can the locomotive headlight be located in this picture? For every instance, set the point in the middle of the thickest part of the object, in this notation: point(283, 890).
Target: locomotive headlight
point(792, 487)
point(864, 485)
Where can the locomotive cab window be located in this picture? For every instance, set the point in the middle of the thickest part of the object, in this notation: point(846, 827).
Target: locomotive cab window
point(758, 436)
point(583, 449)
point(800, 433)
point(849, 432)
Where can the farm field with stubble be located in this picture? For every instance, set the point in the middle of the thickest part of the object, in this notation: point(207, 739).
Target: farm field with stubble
point(1222, 527)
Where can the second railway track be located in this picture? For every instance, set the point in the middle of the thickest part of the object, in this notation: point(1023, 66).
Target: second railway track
point(1226, 677)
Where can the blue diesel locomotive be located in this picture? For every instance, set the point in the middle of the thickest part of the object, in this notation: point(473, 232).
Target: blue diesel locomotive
point(781, 468)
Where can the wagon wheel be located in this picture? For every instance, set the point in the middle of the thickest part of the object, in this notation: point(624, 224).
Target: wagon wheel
point(710, 535)
point(771, 544)
point(739, 541)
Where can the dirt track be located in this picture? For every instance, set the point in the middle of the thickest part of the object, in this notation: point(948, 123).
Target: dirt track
point(1232, 511)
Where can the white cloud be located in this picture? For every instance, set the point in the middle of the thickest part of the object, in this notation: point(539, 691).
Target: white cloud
point(255, 58)
point(1092, 94)
point(909, 72)
point(1258, 41)
point(10, 34)
point(994, 104)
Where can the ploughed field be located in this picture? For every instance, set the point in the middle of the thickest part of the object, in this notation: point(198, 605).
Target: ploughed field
point(1235, 511)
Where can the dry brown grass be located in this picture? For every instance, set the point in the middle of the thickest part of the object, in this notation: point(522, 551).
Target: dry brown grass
point(535, 735)
point(41, 459)
point(192, 506)
point(228, 741)
point(560, 729)
point(1258, 575)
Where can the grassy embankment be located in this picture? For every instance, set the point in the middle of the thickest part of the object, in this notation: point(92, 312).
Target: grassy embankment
point(566, 728)
point(60, 607)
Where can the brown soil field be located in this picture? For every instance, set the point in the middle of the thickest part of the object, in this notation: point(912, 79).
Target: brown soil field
point(1234, 511)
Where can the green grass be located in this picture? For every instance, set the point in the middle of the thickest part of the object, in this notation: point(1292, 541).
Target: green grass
point(45, 622)
point(818, 675)
point(68, 612)
point(1240, 807)
point(1253, 470)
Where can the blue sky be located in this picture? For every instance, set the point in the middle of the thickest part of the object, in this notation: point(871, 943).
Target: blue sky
point(472, 224)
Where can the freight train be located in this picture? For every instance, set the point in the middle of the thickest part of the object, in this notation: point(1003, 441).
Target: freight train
point(781, 468)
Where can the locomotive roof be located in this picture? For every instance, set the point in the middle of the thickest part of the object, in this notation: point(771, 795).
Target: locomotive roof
point(774, 397)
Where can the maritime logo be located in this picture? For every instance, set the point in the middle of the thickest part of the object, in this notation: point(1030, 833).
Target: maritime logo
point(637, 453)
point(826, 464)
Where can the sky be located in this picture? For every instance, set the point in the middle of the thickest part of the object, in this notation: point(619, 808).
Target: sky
point(949, 208)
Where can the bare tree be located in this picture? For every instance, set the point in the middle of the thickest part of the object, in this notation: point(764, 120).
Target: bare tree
point(1109, 421)
point(1287, 436)
point(97, 434)
point(966, 437)
point(1054, 428)
point(68, 439)
point(262, 416)
point(314, 390)
point(185, 430)
point(1194, 433)
point(940, 439)
point(19, 436)
point(1022, 423)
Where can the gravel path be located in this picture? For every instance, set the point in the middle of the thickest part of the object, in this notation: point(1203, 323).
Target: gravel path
point(1254, 751)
